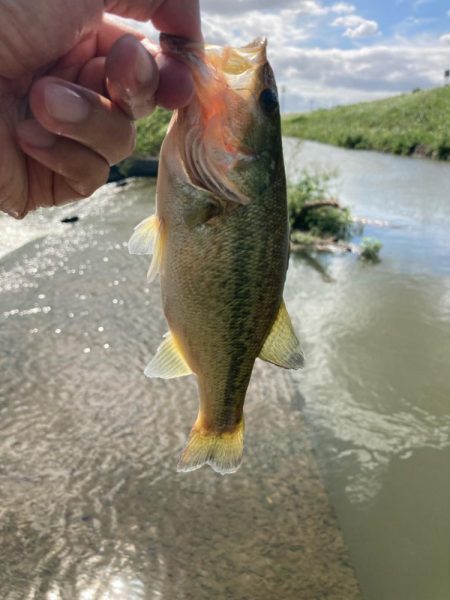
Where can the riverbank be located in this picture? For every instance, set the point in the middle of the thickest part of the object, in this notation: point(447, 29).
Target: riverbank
point(413, 124)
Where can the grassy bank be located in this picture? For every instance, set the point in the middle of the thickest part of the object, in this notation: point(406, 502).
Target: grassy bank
point(416, 123)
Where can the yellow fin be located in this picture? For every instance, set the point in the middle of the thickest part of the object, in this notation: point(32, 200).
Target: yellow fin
point(158, 248)
point(282, 347)
point(221, 451)
point(168, 361)
point(143, 239)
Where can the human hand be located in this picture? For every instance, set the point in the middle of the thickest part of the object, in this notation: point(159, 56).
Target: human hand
point(70, 84)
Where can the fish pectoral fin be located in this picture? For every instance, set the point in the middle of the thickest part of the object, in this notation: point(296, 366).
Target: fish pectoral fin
point(202, 208)
point(282, 347)
point(148, 239)
point(144, 236)
point(158, 250)
point(168, 361)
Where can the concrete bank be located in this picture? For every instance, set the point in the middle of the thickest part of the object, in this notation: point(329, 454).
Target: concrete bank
point(91, 505)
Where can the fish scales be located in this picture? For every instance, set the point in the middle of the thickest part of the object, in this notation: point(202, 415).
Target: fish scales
point(221, 243)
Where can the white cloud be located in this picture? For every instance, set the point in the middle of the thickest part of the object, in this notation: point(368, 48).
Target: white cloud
point(283, 29)
point(356, 27)
point(313, 73)
point(239, 7)
point(304, 7)
point(366, 29)
point(342, 8)
point(325, 77)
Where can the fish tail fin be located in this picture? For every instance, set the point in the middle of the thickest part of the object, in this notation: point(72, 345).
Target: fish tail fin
point(221, 451)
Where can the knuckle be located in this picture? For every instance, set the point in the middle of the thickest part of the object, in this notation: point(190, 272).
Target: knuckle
point(86, 184)
point(12, 201)
point(125, 145)
point(99, 178)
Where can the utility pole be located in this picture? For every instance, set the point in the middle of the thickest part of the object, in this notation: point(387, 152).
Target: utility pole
point(283, 92)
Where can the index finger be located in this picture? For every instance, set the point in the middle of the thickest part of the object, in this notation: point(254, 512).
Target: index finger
point(179, 17)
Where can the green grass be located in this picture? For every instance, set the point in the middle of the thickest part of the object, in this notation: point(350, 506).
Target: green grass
point(151, 132)
point(415, 123)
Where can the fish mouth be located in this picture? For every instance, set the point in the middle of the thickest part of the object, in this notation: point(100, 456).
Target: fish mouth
point(240, 66)
point(237, 65)
point(237, 61)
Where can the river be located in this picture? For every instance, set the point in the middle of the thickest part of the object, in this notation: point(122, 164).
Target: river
point(91, 505)
point(377, 382)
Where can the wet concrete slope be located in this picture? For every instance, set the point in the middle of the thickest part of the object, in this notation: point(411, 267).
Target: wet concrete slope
point(91, 505)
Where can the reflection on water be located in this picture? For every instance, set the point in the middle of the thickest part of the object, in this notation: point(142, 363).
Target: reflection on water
point(377, 383)
point(91, 504)
point(377, 357)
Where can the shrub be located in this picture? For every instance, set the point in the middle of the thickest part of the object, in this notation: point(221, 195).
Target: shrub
point(151, 132)
point(324, 221)
point(312, 187)
point(370, 249)
point(329, 221)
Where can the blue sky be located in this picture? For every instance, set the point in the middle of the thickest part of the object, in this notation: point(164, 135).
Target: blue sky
point(328, 52)
point(394, 19)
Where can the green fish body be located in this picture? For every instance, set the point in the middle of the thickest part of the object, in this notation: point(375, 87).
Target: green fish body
point(220, 243)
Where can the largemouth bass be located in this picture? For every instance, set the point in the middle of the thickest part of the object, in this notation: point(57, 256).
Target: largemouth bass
point(220, 243)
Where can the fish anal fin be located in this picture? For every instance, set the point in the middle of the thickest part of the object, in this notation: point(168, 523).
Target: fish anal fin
point(168, 361)
point(282, 347)
point(144, 236)
point(222, 451)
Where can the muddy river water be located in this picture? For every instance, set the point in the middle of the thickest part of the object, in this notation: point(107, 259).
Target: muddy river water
point(377, 385)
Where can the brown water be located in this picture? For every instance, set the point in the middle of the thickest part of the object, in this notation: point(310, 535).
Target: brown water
point(377, 382)
point(91, 506)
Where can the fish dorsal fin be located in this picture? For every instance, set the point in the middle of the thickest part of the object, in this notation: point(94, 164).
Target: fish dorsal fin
point(144, 236)
point(282, 347)
point(168, 362)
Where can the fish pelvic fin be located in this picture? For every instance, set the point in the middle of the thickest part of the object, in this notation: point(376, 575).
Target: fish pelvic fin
point(221, 451)
point(282, 347)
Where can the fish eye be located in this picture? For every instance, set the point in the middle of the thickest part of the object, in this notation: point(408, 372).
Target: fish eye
point(268, 100)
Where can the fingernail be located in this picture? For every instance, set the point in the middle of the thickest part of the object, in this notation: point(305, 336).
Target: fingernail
point(35, 135)
point(63, 104)
point(143, 69)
